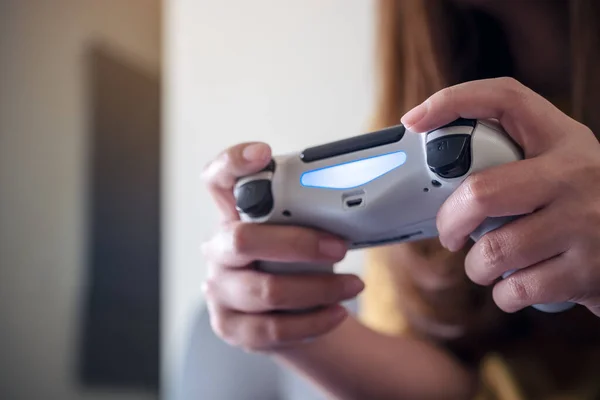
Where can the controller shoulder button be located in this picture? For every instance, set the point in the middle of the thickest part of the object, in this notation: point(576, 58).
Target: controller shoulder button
point(449, 156)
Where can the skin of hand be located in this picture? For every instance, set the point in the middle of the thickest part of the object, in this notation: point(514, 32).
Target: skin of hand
point(331, 349)
point(242, 300)
point(555, 246)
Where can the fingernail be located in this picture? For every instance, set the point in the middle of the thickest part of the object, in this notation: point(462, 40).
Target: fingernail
point(352, 286)
point(256, 152)
point(339, 313)
point(453, 246)
point(415, 115)
point(332, 248)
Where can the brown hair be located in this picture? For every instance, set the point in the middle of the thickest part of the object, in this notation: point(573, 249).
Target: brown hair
point(414, 50)
point(413, 38)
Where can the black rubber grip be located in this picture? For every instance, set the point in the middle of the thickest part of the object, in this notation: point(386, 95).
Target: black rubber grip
point(356, 143)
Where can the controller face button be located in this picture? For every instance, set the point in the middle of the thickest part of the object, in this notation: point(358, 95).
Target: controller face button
point(255, 198)
point(449, 156)
point(353, 144)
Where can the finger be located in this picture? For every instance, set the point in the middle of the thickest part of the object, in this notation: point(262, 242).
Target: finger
point(261, 332)
point(595, 308)
point(240, 243)
point(495, 192)
point(529, 118)
point(255, 292)
point(551, 281)
point(222, 173)
point(524, 242)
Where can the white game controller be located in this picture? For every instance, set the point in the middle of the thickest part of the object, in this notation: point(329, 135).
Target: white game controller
point(378, 188)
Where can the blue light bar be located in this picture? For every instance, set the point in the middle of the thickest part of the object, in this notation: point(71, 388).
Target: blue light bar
point(353, 173)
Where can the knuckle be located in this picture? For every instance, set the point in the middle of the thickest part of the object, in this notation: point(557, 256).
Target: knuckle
point(241, 235)
point(478, 191)
point(273, 331)
point(509, 82)
point(302, 243)
point(259, 335)
point(493, 251)
point(228, 159)
point(519, 291)
point(208, 172)
point(584, 129)
point(445, 96)
point(211, 173)
point(270, 293)
point(206, 169)
point(268, 333)
point(514, 90)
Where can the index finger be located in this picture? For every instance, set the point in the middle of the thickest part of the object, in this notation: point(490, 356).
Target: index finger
point(231, 164)
point(532, 121)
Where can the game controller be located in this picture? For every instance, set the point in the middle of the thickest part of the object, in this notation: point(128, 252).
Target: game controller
point(377, 188)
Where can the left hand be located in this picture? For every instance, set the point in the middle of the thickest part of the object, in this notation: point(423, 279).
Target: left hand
point(556, 248)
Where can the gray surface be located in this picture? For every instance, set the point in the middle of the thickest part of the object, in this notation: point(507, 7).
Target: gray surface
point(395, 203)
point(213, 370)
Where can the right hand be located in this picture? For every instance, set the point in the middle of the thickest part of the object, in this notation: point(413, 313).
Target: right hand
point(241, 300)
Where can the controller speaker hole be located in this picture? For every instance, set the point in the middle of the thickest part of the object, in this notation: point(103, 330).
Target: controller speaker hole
point(426, 190)
point(436, 183)
point(287, 213)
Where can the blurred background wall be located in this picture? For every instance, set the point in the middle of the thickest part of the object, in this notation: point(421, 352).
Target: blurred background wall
point(80, 86)
point(45, 134)
point(290, 73)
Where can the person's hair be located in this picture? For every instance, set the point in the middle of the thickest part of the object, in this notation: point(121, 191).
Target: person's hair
point(422, 47)
point(419, 41)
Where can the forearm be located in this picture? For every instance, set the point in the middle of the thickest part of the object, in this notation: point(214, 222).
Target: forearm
point(355, 362)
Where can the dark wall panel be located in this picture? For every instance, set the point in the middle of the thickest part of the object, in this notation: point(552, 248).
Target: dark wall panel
point(120, 331)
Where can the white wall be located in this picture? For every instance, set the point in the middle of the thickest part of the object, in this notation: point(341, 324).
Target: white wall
point(292, 74)
point(42, 156)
